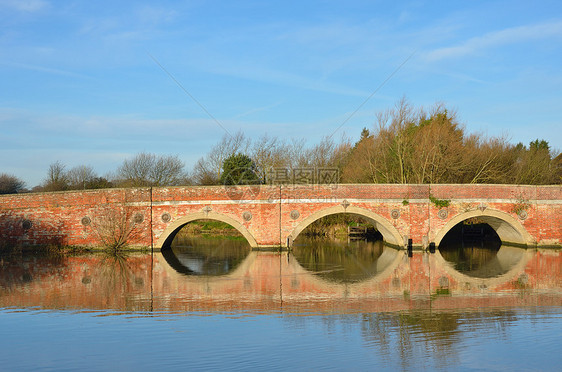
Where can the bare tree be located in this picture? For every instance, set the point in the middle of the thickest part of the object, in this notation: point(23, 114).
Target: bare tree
point(80, 176)
point(208, 169)
point(391, 145)
point(147, 169)
point(298, 156)
point(167, 170)
point(56, 177)
point(203, 174)
point(114, 226)
point(269, 153)
point(328, 153)
point(10, 184)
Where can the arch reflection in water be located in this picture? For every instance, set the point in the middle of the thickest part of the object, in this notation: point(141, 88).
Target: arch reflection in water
point(206, 256)
point(475, 250)
point(342, 261)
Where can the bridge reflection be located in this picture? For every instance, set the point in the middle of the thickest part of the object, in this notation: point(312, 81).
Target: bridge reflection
point(272, 282)
point(344, 263)
point(211, 257)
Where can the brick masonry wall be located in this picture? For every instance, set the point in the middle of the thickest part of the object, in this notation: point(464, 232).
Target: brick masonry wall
point(270, 214)
point(72, 218)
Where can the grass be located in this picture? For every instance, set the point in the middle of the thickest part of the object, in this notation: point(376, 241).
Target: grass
point(210, 229)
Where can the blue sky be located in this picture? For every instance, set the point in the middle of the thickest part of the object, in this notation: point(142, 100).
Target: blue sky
point(78, 83)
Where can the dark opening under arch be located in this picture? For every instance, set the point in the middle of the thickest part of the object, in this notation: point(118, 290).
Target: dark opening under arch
point(509, 229)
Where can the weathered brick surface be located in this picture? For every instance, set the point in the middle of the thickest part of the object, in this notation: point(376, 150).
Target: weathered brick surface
point(56, 218)
point(405, 211)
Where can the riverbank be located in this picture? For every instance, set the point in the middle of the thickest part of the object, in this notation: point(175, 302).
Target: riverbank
point(209, 229)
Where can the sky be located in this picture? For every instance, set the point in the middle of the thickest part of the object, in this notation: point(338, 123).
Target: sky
point(96, 82)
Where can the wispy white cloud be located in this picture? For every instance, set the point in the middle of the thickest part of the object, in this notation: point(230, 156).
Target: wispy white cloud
point(48, 70)
point(33, 127)
point(140, 23)
point(155, 15)
point(329, 35)
point(251, 71)
point(317, 56)
point(507, 36)
point(256, 110)
point(459, 76)
point(29, 6)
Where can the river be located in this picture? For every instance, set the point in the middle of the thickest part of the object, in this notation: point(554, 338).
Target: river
point(214, 304)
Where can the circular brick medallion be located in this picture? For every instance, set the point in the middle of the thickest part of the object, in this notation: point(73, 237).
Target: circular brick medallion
point(166, 217)
point(247, 216)
point(443, 213)
point(86, 221)
point(395, 213)
point(26, 224)
point(522, 214)
point(138, 218)
point(295, 214)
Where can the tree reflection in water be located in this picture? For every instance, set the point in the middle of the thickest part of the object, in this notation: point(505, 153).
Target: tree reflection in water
point(114, 271)
point(406, 338)
point(438, 333)
point(339, 261)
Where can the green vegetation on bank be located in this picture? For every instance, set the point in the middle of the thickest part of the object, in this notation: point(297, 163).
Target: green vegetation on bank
point(209, 229)
point(337, 225)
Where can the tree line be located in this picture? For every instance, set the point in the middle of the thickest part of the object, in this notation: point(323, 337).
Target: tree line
point(411, 145)
point(405, 145)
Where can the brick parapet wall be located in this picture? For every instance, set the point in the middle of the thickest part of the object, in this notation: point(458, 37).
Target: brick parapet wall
point(57, 217)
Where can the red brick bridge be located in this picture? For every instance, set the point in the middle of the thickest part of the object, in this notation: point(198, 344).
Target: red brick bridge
point(273, 216)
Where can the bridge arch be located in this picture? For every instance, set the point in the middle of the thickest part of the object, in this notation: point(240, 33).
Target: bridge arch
point(165, 239)
point(508, 228)
point(388, 231)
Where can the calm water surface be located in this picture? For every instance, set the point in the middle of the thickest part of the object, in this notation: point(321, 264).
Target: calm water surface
point(212, 304)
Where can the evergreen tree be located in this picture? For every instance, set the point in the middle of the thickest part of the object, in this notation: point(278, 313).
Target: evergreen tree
point(239, 169)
